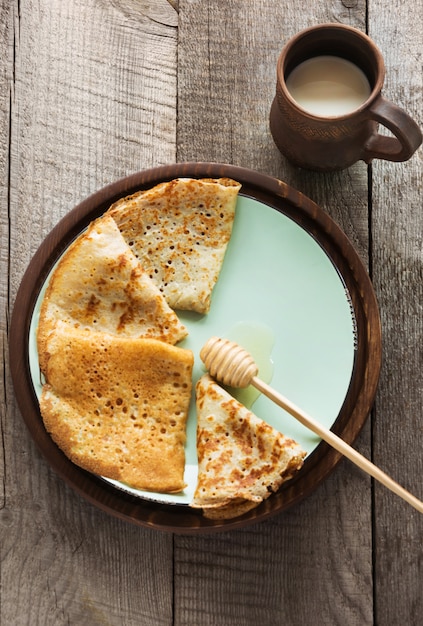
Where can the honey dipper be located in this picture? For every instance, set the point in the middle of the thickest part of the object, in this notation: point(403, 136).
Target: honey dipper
point(233, 366)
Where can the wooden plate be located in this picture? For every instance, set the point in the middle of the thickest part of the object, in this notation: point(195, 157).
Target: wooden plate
point(362, 385)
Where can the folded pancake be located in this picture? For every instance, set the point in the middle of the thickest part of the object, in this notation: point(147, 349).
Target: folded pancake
point(118, 406)
point(99, 284)
point(241, 459)
point(180, 230)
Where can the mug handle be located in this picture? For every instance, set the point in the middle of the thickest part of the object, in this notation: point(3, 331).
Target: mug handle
point(408, 136)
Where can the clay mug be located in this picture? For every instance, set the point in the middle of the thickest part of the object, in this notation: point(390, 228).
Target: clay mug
point(334, 141)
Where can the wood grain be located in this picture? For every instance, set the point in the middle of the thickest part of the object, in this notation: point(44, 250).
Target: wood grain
point(226, 83)
point(93, 99)
point(5, 83)
point(398, 276)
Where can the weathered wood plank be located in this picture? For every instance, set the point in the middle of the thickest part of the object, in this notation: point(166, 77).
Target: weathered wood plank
point(6, 62)
point(227, 79)
point(281, 571)
point(398, 278)
point(91, 104)
point(93, 99)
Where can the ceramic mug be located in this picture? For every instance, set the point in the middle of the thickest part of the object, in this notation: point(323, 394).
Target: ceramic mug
point(328, 142)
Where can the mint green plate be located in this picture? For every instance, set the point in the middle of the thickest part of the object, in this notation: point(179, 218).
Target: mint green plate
point(292, 291)
point(279, 284)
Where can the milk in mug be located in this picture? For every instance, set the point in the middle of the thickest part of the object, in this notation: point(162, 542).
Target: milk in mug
point(328, 86)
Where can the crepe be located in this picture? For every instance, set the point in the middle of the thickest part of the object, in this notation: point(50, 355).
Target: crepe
point(99, 284)
point(241, 458)
point(180, 230)
point(117, 406)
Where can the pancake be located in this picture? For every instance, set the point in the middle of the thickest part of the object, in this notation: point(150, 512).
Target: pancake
point(99, 284)
point(118, 406)
point(241, 458)
point(179, 230)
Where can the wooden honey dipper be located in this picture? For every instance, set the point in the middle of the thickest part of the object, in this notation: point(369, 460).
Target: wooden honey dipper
point(233, 366)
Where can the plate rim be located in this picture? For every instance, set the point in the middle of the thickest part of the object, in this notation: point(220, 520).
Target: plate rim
point(364, 379)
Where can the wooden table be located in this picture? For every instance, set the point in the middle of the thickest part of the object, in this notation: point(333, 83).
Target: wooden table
point(92, 90)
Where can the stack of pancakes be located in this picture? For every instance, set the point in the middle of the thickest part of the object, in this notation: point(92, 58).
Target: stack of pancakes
point(117, 387)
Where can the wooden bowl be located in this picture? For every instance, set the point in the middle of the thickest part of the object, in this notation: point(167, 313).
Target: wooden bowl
point(356, 405)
